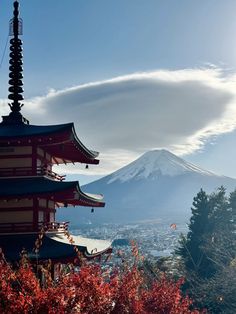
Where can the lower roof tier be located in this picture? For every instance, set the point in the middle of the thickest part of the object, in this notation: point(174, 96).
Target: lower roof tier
point(60, 141)
point(68, 193)
point(55, 246)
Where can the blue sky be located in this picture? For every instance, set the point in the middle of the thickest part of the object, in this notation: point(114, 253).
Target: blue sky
point(77, 42)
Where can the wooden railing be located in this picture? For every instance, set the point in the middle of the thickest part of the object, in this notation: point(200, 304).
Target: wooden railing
point(29, 227)
point(27, 171)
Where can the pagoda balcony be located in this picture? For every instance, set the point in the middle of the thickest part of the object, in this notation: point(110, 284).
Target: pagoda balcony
point(29, 172)
point(29, 227)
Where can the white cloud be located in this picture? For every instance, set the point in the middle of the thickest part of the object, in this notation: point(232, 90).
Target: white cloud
point(125, 116)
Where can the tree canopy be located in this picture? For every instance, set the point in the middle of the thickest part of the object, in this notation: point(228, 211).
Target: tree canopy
point(208, 251)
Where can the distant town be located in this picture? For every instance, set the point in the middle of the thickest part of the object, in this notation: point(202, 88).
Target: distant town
point(153, 239)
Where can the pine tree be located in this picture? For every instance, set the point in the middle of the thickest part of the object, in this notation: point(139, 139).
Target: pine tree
point(191, 246)
point(220, 215)
point(220, 249)
point(232, 206)
point(209, 252)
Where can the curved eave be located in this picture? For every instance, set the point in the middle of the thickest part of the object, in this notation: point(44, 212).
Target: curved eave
point(90, 153)
point(91, 200)
point(71, 149)
point(62, 192)
point(70, 152)
point(55, 246)
point(91, 247)
point(60, 141)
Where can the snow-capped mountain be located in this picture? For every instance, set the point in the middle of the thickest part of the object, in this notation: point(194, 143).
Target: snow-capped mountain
point(158, 185)
point(153, 164)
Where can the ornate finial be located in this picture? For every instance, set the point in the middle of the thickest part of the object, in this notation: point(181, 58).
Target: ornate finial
point(15, 75)
point(15, 68)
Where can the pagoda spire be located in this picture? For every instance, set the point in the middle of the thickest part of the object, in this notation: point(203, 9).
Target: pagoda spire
point(16, 69)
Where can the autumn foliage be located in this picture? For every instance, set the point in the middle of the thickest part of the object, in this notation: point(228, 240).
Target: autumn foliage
point(89, 290)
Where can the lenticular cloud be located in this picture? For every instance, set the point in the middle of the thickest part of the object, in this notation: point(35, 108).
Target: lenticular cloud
point(176, 110)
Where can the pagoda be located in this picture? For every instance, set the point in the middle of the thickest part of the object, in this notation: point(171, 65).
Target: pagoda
point(30, 191)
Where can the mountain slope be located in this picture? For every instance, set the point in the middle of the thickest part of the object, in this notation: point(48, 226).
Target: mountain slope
point(158, 185)
point(153, 164)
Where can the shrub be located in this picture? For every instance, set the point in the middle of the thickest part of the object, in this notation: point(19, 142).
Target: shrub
point(89, 290)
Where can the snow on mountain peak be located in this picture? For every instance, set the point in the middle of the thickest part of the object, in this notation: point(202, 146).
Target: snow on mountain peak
point(153, 164)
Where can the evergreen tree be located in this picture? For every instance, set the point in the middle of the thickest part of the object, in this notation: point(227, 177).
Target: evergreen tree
point(209, 252)
point(192, 246)
point(220, 215)
point(232, 206)
point(220, 249)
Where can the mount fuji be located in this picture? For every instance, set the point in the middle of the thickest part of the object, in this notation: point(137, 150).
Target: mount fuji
point(158, 185)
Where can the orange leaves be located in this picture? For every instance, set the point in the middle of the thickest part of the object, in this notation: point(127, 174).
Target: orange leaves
point(166, 296)
point(18, 290)
point(173, 226)
point(71, 241)
point(127, 295)
point(89, 290)
point(38, 243)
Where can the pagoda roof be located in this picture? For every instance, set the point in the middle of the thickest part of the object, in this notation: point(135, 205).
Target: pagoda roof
point(68, 193)
point(55, 246)
point(59, 140)
point(10, 131)
point(92, 246)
